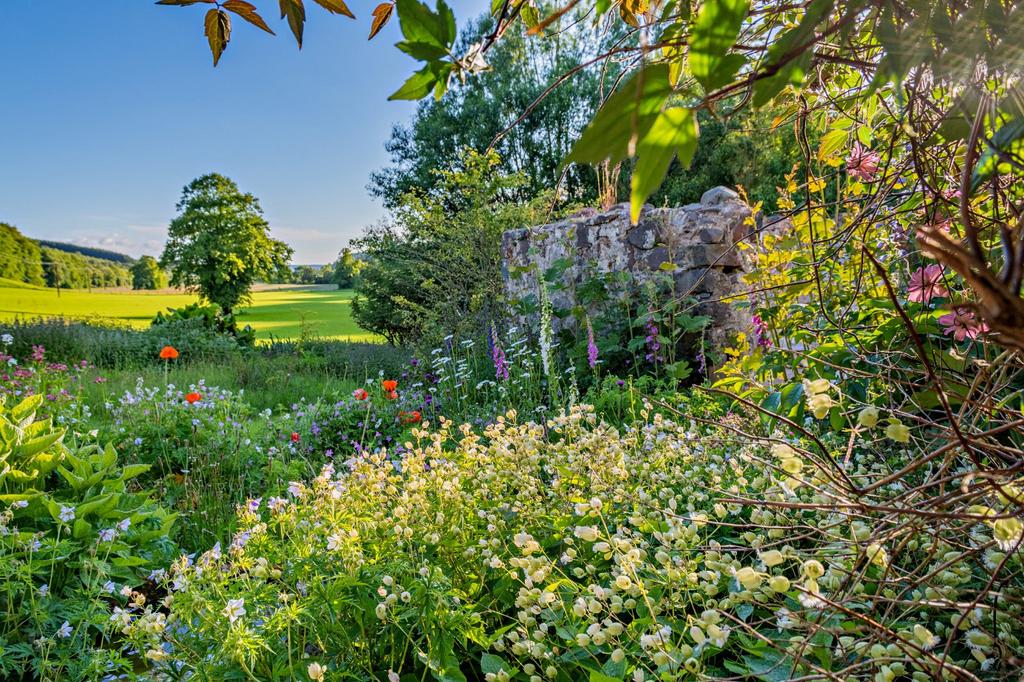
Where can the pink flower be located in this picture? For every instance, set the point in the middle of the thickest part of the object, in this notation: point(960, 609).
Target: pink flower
point(962, 324)
point(863, 163)
point(926, 283)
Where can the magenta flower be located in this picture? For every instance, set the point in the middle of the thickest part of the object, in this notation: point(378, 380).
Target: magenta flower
point(498, 356)
point(591, 346)
point(761, 332)
point(38, 353)
point(926, 283)
point(962, 323)
point(862, 163)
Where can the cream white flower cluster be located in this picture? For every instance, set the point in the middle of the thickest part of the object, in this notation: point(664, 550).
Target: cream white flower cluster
point(572, 548)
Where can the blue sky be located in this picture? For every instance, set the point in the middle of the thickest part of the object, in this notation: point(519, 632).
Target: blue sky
point(108, 108)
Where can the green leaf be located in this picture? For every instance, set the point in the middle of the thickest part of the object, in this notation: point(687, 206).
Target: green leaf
point(490, 663)
point(717, 26)
point(832, 142)
point(1008, 142)
point(133, 470)
point(624, 118)
point(792, 71)
point(420, 25)
point(673, 133)
point(425, 52)
point(417, 86)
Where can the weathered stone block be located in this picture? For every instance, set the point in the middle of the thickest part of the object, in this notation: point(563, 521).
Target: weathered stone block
point(698, 238)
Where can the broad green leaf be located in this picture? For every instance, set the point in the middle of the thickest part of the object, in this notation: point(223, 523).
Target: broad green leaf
point(296, 14)
point(336, 7)
point(133, 470)
point(248, 12)
point(417, 86)
point(421, 25)
point(673, 133)
point(1007, 143)
point(832, 142)
point(432, 77)
point(425, 52)
point(717, 26)
point(489, 663)
point(624, 118)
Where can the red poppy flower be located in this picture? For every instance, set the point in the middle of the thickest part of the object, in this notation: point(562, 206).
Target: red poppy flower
point(168, 353)
point(192, 397)
point(295, 437)
point(413, 417)
point(389, 385)
point(391, 395)
point(360, 394)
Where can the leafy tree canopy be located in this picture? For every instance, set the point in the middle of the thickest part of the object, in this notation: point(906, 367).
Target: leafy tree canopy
point(219, 245)
point(147, 274)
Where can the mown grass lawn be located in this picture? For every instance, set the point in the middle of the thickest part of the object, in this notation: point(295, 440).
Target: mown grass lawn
point(279, 313)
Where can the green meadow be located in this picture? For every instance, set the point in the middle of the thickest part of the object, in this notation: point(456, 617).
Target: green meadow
point(275, 312)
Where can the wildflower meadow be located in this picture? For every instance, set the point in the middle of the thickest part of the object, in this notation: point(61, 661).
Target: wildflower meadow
point(801, 458)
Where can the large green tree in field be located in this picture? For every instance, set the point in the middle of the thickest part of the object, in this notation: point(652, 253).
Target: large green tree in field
point(147, 274)
point(219, 245)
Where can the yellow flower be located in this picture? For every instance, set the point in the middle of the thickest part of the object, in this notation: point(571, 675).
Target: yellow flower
point(783, 450)
point(868, 417)
point(817, 386)
point(748, 578)
point(1007, 533)
point(897, 431)
point(772, 557)
point(792, 465)
point(877, 555)
point(779, 583)
point(813, 569)
point(819, 404)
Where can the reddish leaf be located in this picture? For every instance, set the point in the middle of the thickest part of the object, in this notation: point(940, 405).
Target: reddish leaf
point(296, 14)
point(248, 12)
point(218, 32)
point(381, 14)
point(336, 7)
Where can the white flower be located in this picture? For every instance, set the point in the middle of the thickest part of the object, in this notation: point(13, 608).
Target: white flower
point(6, 339)
point(334, 542)
point(109, 587)
point(315, 671)
point(67, 514)
point(65, 630)
point(235, 609)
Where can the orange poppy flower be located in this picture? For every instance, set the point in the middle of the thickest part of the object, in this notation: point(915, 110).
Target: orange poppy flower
point(168, 353)
point(192, 397)
point(391, 395)
point(389, 385)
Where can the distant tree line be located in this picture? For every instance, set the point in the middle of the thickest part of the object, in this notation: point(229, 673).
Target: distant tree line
point(70, 267)
point(90, 251)
point(344, 272)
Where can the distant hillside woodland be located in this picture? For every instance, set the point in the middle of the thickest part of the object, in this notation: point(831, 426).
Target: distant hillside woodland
point(59, 265)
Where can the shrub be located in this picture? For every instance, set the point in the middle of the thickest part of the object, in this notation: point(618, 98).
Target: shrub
point(72, 537)
point(571, 549)
point(208, 317)
point(116, 346)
